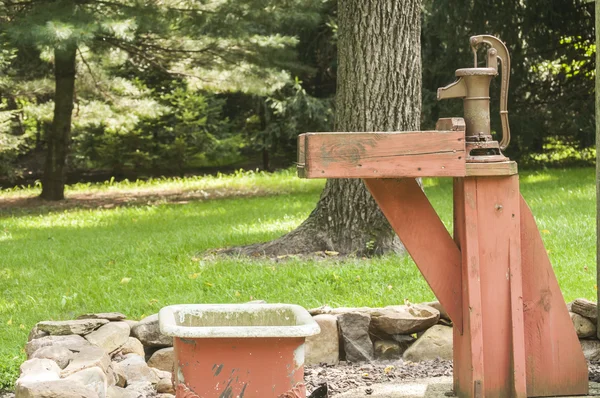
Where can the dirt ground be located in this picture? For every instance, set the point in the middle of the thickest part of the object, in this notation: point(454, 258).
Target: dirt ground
point(110, 199)
point(345, 376)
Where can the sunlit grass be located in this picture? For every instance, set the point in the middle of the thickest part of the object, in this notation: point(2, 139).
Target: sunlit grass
point(137, 259)
point(283, 180)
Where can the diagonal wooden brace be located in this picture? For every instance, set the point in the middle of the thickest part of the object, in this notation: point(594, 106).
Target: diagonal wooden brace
point(412, 217)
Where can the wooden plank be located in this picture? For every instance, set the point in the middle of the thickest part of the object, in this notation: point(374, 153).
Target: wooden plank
point(492, 169)
point(417, 224)
point(461, 351)
point(497, 204)
point(300, 167)
point(469, 356)
point(384, 155)
point(517, 323)
point(555, 362)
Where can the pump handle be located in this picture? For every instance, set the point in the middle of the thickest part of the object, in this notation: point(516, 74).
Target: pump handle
point(497, 51)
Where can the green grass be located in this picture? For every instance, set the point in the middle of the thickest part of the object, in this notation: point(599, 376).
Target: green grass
point(137, 259)
point(245, 181)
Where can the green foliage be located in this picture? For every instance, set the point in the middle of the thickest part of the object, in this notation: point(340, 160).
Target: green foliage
point(121, 117)
point(9, 371)
point(552, 57)
point(283, 116)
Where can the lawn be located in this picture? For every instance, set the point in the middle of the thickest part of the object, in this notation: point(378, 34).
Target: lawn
point(56, 263)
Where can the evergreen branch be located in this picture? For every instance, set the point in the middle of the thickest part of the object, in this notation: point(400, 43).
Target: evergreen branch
point(140, 53)
point(20, 3)
point(96, 83)
point(176, 50)
point(120, 5)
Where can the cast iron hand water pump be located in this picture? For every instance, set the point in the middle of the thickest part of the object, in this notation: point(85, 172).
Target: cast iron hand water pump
point(513, 335)
point(473, 85)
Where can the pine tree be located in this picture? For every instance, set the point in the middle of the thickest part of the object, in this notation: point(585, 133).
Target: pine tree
point(213, 44)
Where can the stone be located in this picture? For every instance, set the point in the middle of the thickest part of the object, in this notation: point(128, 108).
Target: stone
point(325, 346)
point(111, 376)
point(109, 316)
point(131, 323)
point(61, 355)
point(354, 329)
point(135, 369)
point(39, 369)
point(165, 395)
point(110, 336)
point(144, 389)
point(120, 392)
point(404, 340)
point(64, 328)
point(404, 319)
point(387, 349)
point(165, 386)
point(591, 349)
point(93, 378)
point(72, 342)
point(438, 306)
point(163, 359)
point(88, 357)
point(132, 346)
point(148, 332)
point(120, 377)
point(583, 326)
point(36, 333)
point(54, 389)
point(162, 374)
point(436, 342)
point(585, 308)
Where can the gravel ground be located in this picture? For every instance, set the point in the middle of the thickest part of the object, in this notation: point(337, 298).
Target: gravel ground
point(346, 376)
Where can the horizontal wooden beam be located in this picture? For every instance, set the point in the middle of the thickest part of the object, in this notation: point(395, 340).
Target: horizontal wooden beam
point(382, 155)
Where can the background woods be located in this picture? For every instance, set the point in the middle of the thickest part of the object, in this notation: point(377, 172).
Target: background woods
point(133, 89)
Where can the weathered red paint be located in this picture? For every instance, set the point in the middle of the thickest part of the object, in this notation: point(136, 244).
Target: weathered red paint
point(555, 362)
point(382, 155)
point(409, 212)
point(513, 336)
point(238, 367)
point(491, 349)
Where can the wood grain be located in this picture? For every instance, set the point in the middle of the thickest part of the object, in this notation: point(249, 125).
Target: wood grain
point(555, 362)
point(492, 169)
point(468, 346)
point(383, 155)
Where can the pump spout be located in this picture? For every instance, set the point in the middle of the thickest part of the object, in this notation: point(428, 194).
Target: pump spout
point(458, 89)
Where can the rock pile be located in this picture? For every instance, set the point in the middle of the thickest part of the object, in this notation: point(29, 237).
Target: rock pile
point(367, 334)
point(109, 356)
point(415, 333)
point(97, 356)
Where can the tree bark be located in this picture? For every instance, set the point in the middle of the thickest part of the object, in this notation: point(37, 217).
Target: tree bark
point(53, 180)
point(598, 163)
point(378, 89)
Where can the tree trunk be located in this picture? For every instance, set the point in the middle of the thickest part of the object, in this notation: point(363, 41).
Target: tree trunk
point(378, 89)
point(598, 163)
point(53, 181)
